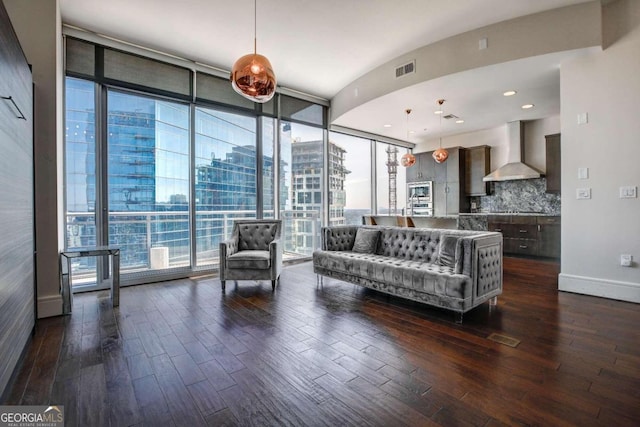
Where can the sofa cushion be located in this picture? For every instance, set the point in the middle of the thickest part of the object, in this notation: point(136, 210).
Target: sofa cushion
point(366, 241)
point(252, 260)
point(448, 244)
point(256, 236)
point(413, 275)
point(410, 243)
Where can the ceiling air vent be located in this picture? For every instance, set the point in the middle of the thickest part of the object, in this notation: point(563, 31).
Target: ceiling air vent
point(408, 68)
point(450, 116)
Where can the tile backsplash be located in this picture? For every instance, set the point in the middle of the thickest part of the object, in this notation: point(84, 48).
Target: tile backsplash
point(526, 195)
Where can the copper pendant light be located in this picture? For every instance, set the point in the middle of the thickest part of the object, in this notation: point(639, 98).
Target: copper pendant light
point(440, 155)
point(408, 159)
point(252, 75)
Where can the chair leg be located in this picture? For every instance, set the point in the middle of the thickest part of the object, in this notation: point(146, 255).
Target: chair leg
point(223, 284)
point(493, 301)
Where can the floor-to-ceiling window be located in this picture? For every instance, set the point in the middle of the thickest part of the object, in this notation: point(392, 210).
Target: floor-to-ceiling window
point(80, 178)
point(160, 160)
point(225, 175)
point(269, 168)
point(301, 187)
point(350, 189)
point(147, 174)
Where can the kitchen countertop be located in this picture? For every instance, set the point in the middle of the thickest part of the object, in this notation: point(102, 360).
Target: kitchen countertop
point(509, 213)
point(480, 220)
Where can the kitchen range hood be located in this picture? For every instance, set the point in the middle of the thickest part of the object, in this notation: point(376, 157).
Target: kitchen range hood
point(515, 167)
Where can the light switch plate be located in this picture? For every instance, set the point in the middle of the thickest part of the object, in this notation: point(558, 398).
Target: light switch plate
point(626, 260)
point(628, 192)
point(583, 118)
point(583, 193)
point(583, 173)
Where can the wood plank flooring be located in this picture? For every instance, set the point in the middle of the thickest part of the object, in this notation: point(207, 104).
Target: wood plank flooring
point(182, 353)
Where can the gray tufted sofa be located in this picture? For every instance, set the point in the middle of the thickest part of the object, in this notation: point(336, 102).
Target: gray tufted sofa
point(254, 252)
point(453, 269)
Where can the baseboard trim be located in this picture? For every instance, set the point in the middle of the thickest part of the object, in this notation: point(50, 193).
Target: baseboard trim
point(49, 306)
point(612, 289)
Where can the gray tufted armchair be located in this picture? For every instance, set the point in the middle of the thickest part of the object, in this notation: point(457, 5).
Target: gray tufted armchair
point(254, 252)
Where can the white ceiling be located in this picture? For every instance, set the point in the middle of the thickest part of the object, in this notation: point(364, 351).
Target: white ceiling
point(319, 47)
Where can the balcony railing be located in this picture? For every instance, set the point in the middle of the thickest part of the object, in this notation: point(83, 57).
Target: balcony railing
point(158, 240)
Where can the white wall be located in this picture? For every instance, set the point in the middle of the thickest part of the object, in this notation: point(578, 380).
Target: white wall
point(497, 139)
point(38, 26)
point(535, 147)
point(595, 232)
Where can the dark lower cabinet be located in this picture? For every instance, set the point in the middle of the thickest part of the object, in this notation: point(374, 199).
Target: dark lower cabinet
point(521, 246)
point(528, 235)
point(549, 236)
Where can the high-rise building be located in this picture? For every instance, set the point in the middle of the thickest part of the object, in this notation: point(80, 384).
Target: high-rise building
point(132, 160)
point(228, 184)
point(306, 186)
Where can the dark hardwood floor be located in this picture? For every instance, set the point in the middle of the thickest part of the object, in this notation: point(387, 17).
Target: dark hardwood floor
point(182, 353)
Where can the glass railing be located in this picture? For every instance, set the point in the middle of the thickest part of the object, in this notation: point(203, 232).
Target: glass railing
point(160, 240)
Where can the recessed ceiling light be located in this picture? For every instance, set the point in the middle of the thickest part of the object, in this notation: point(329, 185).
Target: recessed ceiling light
point(510, 93)
point(412, 132)
point(438, 112)
point(459, 121)
point(527, 106)
point(387, 126)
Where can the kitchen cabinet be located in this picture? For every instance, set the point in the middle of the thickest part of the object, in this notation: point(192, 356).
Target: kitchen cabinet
point(477, 166)
point(448, 177)
point(552, 173)
point(528, 235)
point(449, 198)
point(549, 236)
point(520, 238)
point(17, 269)
point(422, 169)
point(455, 178)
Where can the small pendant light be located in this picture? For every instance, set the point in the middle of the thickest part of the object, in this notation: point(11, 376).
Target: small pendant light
point(252, 75)
point(440, 155)
point(408, 159)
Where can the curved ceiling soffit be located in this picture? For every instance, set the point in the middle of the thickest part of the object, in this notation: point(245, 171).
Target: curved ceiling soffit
point(558, 30)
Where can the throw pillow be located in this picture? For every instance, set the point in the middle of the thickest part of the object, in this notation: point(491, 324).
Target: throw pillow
point(366, 241)
point(448, 244)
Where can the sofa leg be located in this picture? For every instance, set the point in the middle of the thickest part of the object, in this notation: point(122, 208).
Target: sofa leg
point(273, 285)
point(223, 285)
point(493, 301)
point(458, 316)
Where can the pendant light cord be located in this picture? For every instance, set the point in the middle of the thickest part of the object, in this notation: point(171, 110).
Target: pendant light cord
point(441, 128)
point(440, 102)
point(255, 27)
point(408, 111)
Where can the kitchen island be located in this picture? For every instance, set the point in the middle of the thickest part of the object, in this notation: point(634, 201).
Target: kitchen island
point(524, 233)
point(449, 221)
